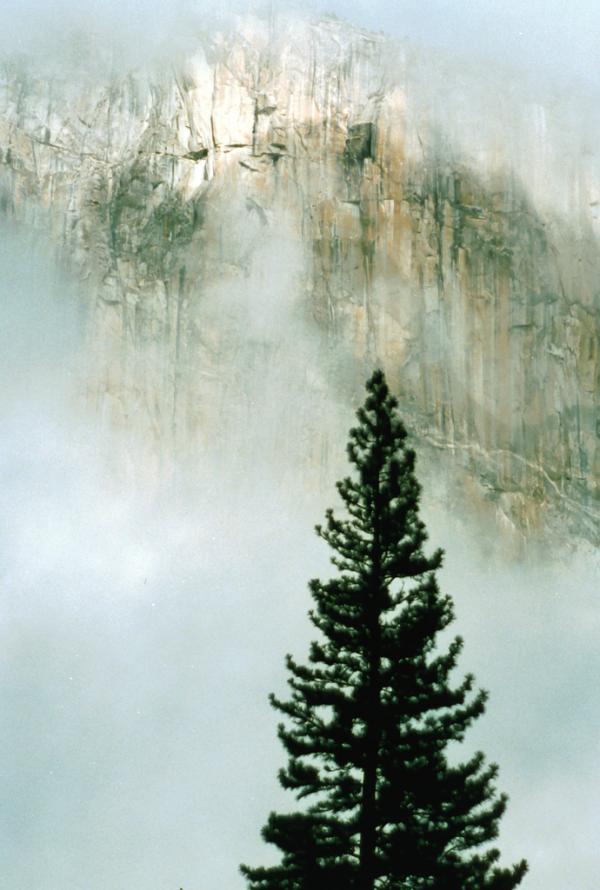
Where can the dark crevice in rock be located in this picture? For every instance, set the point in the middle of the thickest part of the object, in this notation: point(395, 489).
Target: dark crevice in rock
point(198, 155)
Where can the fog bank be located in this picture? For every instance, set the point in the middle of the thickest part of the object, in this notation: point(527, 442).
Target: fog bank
point(142, 629)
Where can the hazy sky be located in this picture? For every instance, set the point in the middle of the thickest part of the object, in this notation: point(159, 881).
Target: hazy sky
point(558, 39)
point(547, 37)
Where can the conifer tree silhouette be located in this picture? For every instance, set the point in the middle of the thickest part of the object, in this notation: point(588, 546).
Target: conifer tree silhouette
point(371, 715)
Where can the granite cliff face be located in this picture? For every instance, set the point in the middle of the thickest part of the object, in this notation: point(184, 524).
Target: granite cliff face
point(287, 207)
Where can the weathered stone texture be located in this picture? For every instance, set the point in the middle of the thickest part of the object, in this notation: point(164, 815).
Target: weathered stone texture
point(162, 190)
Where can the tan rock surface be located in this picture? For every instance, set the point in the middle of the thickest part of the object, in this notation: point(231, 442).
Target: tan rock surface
point(286, 204)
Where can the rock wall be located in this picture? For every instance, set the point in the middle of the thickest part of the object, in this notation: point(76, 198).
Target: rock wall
point(283, 209)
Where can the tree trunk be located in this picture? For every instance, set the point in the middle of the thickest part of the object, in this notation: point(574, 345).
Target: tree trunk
point(368, 835)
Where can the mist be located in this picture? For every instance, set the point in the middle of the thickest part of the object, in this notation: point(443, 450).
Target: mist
point(143, 628)
point(546, 39)
point(145, 619)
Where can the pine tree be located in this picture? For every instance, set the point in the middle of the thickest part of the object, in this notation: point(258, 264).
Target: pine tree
point(370, 717)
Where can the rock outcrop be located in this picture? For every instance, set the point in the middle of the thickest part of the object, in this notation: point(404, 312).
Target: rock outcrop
point(287, 206)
